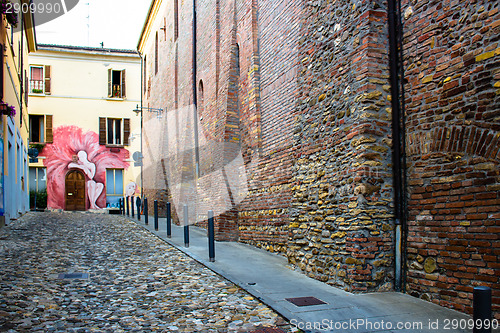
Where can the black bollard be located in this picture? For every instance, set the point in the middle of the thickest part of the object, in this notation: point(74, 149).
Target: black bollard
point(128, 206)
point(211, 236)
point(138, 202)
point(132, 206)
point(120, 205)
point(482, 310)
point(146, 216)
point(156, 214)
point(169, 221)
point(186, 226)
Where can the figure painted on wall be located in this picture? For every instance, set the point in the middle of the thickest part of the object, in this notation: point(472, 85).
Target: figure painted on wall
point(130, 189)
point(94, 189)
point(75, 149)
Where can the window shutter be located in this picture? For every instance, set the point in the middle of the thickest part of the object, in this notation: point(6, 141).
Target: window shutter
point(126, 131)
point(47, 80)
point(123, 84)
point(110, 82)
point(49, 137)
point(102, 131)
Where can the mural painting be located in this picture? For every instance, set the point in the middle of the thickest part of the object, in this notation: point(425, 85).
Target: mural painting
point(74, 149)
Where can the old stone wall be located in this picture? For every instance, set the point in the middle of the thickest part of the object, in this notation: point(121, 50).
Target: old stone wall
point(452, 70)
point(341, 225)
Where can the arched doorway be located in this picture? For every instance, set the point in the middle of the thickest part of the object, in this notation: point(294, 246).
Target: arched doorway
point(75, 190)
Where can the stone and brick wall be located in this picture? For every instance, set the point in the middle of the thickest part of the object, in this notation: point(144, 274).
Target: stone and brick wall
point(452, 56)
point(341, 226)
point(302, 89)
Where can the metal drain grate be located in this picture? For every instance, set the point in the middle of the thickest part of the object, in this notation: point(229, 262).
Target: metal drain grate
point(305, 301)
point(74, 276)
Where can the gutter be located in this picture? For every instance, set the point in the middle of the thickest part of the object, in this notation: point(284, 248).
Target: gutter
point(398, 140)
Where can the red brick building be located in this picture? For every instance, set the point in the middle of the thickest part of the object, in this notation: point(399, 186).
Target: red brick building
point(281, 121)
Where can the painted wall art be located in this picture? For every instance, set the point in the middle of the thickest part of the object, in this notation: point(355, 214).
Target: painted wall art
point(74, 149)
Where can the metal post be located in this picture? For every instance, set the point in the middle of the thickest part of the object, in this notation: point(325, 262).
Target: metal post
point(146, 216)
point(186, 226)
point(156, 214)
point(211, 236)
point(120, 205)
point(132, 206)
point(138, 202)
point(128, 206)
point(482, 309)
point(169, 221)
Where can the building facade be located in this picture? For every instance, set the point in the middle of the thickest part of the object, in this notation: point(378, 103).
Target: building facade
point(17, 39)
point(83, 127)
point(283, 122)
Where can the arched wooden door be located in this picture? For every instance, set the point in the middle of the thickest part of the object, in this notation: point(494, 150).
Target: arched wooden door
point(75, 190)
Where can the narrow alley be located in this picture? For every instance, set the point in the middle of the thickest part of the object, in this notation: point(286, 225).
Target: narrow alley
point(83, 272)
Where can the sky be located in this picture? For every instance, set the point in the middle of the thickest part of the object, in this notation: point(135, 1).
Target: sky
point(116, 23)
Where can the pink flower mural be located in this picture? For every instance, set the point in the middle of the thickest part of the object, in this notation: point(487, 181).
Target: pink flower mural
point(74, 149)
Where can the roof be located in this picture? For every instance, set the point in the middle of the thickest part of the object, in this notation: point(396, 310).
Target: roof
point(85, 49)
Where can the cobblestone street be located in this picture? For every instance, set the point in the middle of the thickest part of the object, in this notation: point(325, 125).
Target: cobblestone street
point(135, 282)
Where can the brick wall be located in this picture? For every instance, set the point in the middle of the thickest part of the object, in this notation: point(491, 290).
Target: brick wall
point(243, 105)
point(453, 121)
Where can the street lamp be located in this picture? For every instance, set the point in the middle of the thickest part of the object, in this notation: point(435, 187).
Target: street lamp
point(138, 109)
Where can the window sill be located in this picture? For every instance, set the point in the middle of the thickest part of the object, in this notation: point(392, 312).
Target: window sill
point(114, 146)
point(115, 98)
point(37, 94)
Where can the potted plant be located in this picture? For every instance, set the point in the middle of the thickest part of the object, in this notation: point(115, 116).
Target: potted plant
point(7, 109)
point(7, 9)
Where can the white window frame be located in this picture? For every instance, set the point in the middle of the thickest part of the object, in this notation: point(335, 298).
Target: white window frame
point(31, 88)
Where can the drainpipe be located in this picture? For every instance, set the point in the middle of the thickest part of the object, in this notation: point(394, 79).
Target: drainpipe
point(142, 93)
point(195, 98)
point(21, 72)
point(398, 137)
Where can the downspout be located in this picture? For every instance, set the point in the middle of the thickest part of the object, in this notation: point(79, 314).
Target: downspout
point(195, 98)
point(21, 73)
point(398, 142)
point(142, 93)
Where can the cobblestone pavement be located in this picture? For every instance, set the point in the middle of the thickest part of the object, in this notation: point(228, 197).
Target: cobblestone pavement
point(136, 283)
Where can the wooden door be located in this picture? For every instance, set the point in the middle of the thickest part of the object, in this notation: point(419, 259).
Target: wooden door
point(75, 190)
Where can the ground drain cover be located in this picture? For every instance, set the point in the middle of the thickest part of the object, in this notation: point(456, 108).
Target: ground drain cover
point(305, 301)
point(74, 276)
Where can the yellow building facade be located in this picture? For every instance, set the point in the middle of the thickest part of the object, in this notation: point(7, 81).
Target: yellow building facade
point(17, 38)
point(83, 127)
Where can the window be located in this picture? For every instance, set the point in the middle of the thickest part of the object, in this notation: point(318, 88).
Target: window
point(176, 19)
point(116, 83)
point(156, 53)
point(39, 80)
point(41, 128)
point(114, 131)
point(114, 187)
point(38, 179)
point(144, 68)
